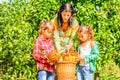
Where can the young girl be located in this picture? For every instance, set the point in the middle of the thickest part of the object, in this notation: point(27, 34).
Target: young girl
point(42, 47)
point(88, 53)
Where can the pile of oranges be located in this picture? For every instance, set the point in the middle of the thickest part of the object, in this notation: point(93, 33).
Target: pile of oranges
point(54, 56)
point(71, 56)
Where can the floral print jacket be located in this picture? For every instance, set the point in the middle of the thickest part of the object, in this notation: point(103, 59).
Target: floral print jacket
point(61, 38)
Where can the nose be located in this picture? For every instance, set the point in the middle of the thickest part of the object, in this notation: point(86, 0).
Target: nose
point(66, 17)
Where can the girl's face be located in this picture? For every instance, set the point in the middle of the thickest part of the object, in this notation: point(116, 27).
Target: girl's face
point(47, 33)
point(65, 16)
point(83, 35)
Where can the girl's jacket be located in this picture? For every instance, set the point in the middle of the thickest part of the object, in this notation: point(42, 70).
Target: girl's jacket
point(91, 59)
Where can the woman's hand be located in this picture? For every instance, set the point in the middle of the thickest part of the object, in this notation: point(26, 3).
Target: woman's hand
point(60, 49)
point(69, 46)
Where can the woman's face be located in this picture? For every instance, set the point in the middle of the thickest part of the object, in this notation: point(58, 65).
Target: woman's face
point(65, 16)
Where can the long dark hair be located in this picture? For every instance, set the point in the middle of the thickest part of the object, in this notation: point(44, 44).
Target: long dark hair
point(65, 7)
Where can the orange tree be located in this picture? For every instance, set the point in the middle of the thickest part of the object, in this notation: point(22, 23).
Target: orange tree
point(19, 25)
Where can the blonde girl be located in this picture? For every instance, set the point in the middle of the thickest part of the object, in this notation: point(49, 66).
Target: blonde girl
point(88, 53)
point(43, 45)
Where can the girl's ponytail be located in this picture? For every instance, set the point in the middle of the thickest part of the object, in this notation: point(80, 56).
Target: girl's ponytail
point(91, 33)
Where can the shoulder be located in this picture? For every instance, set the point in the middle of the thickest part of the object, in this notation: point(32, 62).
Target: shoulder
point(51, 40)
point(93, 43)
point(75, 23)
point(54, 22)
point(38, 39)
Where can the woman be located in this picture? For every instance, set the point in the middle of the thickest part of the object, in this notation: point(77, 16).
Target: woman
point(65, 28)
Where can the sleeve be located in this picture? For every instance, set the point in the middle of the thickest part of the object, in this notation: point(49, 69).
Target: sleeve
point(74, 29)
point(94, 54)
point(73, 33)
point(78, 50)
point(54, 22)
point(37, 54)
point(56, 34)
point(57, 39)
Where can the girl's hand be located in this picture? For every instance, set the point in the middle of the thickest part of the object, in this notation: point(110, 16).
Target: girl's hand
point(79, 58)
point(49, 62)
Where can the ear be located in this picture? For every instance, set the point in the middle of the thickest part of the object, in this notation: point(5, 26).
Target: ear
point(42, 31)
point(78, 33)
point(90, 28)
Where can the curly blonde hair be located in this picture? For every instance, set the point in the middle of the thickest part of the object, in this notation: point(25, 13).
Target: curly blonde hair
point(44, 24)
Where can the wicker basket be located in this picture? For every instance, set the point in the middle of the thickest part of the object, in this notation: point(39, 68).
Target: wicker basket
point(66, 70)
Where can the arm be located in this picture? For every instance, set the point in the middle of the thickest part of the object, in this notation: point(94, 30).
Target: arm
point(73, 33)
point(37, 54)
point(57, 40)
point(93, 55)
point(75, 26)
point(56, 35)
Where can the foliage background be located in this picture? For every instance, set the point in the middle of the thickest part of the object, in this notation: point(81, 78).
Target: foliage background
point(19, 22)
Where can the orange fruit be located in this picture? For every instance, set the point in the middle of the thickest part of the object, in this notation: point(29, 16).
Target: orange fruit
point(73, 58)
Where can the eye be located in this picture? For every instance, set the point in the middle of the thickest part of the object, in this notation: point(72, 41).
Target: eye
point(68, 15)
point(64, 14)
